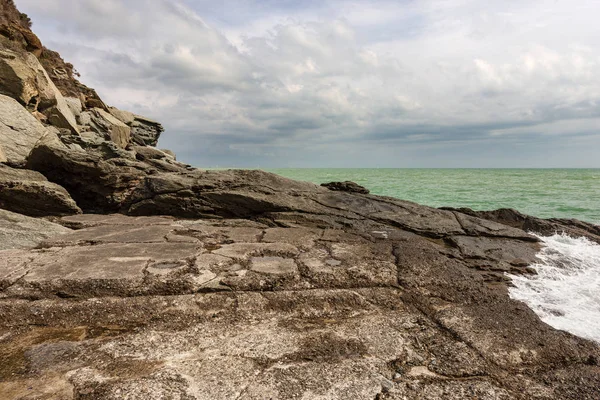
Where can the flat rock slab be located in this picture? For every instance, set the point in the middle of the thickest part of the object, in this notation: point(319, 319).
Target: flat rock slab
point(90, 220)
point(273, 265)
point(120, 269)
point(153, 307)
point(136, 256)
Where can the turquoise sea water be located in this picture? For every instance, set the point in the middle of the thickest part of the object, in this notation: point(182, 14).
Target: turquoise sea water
point(546, 193)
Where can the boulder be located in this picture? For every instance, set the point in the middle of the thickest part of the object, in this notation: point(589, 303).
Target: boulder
point(144, 131)
point(107, 125)
point(29, 193)
point(149, 153)
point(25, 80)
point(19, 130)
point(96, 142)
point(97, 183)
point(19, 231)
point(17, 79)
point(60, 116)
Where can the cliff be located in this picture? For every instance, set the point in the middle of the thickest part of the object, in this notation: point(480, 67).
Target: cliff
point(125, 274)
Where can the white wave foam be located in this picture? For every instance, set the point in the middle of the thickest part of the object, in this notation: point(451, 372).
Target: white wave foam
point(566, 291)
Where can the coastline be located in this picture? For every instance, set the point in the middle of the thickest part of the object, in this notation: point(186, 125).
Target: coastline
point(125, 273)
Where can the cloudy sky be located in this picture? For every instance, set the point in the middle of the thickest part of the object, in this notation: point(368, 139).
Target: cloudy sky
point(330, 83)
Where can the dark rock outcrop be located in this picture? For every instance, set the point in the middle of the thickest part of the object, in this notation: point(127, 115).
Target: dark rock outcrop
point(29, 193)
point(514, 218)
point(346, 186)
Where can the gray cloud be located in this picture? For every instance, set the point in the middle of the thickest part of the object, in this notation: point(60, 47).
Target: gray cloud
point(375, 83)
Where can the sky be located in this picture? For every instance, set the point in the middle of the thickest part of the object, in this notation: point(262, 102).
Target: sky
point(330, 83)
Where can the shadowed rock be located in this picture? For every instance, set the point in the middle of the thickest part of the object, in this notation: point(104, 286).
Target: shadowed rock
point(30, 193)
point(346, 186)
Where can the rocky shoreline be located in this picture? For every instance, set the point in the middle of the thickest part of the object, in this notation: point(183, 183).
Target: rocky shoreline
point(125, 274)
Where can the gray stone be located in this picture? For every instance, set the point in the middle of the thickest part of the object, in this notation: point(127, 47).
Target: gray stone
point(27, 81)
point(19, 130)
point(106, 124)
point(273, 265)
point(74, 104)
point(144, 131)
point(19, 231)
point(125, 117)
point(22, 79)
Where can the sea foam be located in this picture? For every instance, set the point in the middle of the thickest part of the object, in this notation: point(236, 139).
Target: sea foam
point(565, 293)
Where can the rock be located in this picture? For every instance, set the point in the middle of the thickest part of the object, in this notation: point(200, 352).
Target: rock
point(30, 193)
point(169, 153)
point(194, 308)
point(105, 124)
point(18, 80)
point(25, 80)
point(19, 130)
point(125, 117)
point(60, 116)
point(74, 105)
point(522, 222)
point(19, 232)
point(3, 158)
point(346, 186)
point(144, 131)
point(149, 153)
point(108, 182)
point(96, 142)
point(21, 35)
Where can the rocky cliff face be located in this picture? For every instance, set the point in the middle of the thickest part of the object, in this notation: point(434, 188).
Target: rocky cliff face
point(43, 83)
point(149, 279)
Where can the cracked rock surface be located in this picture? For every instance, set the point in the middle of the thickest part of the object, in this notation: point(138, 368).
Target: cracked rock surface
point(294, 306)
point(178, 283)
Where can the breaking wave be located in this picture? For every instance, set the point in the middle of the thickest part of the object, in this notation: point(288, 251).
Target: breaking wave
point(565, 293)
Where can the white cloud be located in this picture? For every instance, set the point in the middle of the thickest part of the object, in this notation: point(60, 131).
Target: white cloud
point(258, 77)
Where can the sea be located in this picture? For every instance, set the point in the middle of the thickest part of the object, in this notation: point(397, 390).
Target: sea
point(565, 293)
